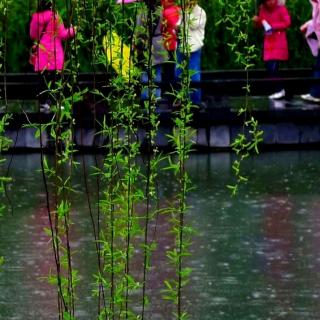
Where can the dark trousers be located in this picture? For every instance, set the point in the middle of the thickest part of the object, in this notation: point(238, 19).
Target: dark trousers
point(47, 80)
point(194, 64)
point(272, 67)
point(168, 79)
point(315, 88)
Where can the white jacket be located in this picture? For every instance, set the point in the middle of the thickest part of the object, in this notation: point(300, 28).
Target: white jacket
point(195, 23)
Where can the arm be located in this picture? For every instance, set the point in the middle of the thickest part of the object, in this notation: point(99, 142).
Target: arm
point(171, 17)
point(198, 22)
point(66, 33)
point(257, 22)
point(285, 20)
point(63, 32)
point(257, 19)
point(140, 35)
point(35, 27)
point(304, 27)
point(316, 19)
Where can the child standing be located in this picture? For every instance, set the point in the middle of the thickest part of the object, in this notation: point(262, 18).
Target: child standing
point(274, 18)
point(48, 31)
point(192, 32)
point(47, 28)
point(148, 25)
point(311, 29)
point(169, 25)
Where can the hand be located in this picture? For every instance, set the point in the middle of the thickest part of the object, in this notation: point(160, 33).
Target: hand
point(304, 27)
point(256, 19)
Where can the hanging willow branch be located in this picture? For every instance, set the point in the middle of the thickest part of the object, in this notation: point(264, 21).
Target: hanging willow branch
point(5, 118)
point(238, 23)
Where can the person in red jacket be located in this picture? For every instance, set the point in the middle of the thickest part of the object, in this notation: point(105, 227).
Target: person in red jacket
point(169, 25)
point(170, 19)
point(274, 18)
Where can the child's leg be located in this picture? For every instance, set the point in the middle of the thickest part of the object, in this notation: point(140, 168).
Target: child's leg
point(48, 81)
point(156, 75)
point(169, 76)
point(272, 67)
point(315, 89)
point(144, 81)
point(157, 78)
point(194, 67)
point(179, 68)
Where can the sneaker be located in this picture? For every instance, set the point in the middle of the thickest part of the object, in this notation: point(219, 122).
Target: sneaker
point(278, 104)
point(201, 105)
point(45, 107)
point(278, 95)
point(308, 97)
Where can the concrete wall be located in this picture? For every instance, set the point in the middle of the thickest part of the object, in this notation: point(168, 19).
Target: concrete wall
point(213, 137)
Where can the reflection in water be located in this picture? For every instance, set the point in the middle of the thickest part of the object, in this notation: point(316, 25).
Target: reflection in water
point(276, 251)
point(255, 256)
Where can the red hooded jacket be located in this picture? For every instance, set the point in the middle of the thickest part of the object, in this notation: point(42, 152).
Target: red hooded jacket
point(275, 46)
point(170, 18)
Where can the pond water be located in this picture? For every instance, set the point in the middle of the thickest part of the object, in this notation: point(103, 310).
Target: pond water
point(255, 256)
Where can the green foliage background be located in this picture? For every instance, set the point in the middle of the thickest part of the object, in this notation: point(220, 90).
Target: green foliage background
point(216, 53)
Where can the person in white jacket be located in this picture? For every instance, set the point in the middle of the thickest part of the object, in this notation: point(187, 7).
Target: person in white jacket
point(191, 40)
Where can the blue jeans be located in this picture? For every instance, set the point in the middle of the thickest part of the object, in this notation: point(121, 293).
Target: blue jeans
point(315, 88)
point(272, 67)
point(157, 69)
point(195, 67)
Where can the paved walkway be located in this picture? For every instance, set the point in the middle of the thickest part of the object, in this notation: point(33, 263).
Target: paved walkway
point(260, 103)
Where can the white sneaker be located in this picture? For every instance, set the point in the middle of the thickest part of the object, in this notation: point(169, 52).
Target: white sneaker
point(278, 95)
point(308, 97)
point(278, 104)
point(45, 107)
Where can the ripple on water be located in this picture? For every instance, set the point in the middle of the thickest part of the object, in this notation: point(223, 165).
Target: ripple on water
point(230, 280)
point(229, 230)
point(257, 295)
point(219, 301)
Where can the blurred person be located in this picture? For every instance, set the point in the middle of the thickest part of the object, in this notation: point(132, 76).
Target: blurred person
point(149, 37)
point(48, 31)
point(191, 40)
point(311, 30)
point(169, 27)
point(275, 19)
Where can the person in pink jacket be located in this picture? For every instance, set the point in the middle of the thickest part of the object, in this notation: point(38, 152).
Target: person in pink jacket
point(47, 29)
point(274, 18)
point(311, 29)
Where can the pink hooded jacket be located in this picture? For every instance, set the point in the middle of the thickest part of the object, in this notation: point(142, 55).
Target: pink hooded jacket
point(312, 27)
point(316, 17)
point(47, 27)
point(275, 46)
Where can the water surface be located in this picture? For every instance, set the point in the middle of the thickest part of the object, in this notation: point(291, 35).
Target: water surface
point(254, 256)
